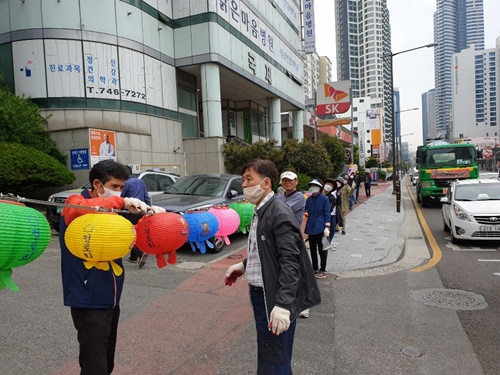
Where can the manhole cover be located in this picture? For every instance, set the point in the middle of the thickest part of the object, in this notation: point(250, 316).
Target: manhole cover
point(450, 299)
point(411, 352)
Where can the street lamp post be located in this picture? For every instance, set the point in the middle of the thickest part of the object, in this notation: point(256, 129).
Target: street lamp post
point(395, 180)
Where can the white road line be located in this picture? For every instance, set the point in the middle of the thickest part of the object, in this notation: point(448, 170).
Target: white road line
point(488, 260)
point(496, 273)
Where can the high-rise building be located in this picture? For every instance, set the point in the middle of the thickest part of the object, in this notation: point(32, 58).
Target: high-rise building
point(363, 35)
point(311, 74)
point(428, 115)
point(476, 104)
point(458, 24)
point(325, 69)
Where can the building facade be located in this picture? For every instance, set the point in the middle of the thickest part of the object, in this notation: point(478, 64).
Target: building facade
point(475, 82)
point(457, 25)
point(171, 79)
point(429, 115)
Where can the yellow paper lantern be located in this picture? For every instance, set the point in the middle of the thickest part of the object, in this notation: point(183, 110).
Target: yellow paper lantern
point(99, 239)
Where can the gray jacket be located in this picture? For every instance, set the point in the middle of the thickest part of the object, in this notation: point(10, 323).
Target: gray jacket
point(287, 272)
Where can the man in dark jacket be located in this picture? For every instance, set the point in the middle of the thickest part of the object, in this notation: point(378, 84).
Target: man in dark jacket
point(279, 272)
point(94, 294)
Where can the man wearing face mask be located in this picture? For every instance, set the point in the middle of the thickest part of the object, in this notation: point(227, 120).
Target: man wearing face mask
point(94, 294)
point(317, 226)
point(279, 272)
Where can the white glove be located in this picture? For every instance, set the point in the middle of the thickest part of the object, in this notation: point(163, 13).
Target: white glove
point(326, 232)
point(233, 272)
point(156, 210)
point(135, 205)
point(280, 320)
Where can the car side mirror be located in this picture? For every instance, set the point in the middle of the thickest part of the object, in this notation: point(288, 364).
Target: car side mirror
point(232, 193)
point(444, 200)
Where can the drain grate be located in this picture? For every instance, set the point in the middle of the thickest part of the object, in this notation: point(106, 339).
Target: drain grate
point(450, 299)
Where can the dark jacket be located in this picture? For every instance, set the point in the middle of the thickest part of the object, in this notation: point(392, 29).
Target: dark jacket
point(318, 214)
point(287, 272)
point(88, 288)
point(135, 188)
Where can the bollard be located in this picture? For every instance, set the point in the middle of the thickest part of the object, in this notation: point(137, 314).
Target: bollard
point(398, 195)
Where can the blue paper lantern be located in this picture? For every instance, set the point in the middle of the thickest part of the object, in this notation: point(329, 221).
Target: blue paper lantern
point(202, 226)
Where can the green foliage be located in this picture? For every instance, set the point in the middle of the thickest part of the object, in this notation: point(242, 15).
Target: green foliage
point(21, 122)
point(25, 169)
point(381, 175)
point(371, 163)
point(336, 152)
point(237, 156)
point(303, 182)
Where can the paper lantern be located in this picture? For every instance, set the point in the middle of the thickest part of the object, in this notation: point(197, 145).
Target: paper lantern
point(245, 212)
point(229, 222)
point(161, 234)
point(202, 226)
point(99, 239)
point(24, 236)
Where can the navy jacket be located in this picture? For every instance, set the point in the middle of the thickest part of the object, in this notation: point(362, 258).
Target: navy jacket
point(135, 188)
point(318, 213)
point(88, 288)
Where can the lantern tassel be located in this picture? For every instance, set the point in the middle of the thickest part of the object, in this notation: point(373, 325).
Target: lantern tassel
point(6, 281)
point(160, 260)
point(172, 257)
point(117, 270)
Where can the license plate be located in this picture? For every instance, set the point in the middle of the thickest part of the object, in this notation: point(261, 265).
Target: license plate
point(59, 209)
point(489, 229)
point(445, 190)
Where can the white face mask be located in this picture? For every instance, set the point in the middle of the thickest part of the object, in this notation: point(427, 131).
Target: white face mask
point(108, 192)
point(253, 193)
point(315, 189)
point(328, 188)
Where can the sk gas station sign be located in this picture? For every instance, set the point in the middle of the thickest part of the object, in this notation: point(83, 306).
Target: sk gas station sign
point(334, 98)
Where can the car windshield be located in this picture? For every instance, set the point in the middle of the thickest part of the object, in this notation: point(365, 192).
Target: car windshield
point(450, 156)
point(477, 192)
point(198, 185)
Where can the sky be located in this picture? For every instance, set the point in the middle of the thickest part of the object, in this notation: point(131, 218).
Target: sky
point(411, 26)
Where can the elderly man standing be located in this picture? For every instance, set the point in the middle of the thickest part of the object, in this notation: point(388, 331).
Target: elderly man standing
point(279, 272)
point(291, 196)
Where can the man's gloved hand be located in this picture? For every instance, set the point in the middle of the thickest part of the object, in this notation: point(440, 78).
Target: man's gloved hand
point(233, 272)
point(156, 210)
point(135, 205)
point(326, 232)
point(280, 320)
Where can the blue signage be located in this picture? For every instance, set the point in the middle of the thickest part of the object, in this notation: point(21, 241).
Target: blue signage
point(79, 158)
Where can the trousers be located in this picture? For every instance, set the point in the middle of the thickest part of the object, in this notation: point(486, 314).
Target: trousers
point(274, 353)
point(97, 331)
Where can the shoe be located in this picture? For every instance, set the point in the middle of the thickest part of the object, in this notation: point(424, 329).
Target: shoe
point(142, 261)
point(320, 275)
point(132, 260)
point(304, 314)
point(332, 247)
point(343, 232)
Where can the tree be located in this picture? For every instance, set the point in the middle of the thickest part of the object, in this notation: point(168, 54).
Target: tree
point(21, 122)
point(336, 151)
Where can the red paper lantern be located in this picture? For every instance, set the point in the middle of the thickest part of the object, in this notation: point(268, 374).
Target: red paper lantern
point(161, 234)
point(229, 222)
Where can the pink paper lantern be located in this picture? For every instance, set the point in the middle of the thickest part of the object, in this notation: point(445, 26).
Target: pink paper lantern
point(229, 222)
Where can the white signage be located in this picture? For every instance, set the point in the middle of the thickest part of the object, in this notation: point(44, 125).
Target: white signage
point(309, 33)
point(63, 62)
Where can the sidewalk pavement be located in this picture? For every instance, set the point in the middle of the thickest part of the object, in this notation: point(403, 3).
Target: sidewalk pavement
point(375, 233)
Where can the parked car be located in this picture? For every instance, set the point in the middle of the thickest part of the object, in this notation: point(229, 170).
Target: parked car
point(156, 182)
point(414, 178)
point(200, 191)
point(471, 210)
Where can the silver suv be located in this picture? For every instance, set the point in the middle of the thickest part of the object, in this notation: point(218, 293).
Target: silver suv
point(156, 182)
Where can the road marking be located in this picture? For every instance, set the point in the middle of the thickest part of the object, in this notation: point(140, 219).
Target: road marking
point(453, 247)
point(496, 273)
point(436, 251)
point(488, 260)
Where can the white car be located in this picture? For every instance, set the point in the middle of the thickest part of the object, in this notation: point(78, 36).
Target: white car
point(471, 210)
point(414, 178)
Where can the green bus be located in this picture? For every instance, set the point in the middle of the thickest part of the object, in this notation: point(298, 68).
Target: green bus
point(439, 163)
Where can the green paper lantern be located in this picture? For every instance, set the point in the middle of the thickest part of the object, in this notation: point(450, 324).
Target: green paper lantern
point(245, 212)
point(24, 236)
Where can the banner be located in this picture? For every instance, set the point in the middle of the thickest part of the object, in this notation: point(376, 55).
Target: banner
point(372, 120)
point(309, 33)
point(102, 145)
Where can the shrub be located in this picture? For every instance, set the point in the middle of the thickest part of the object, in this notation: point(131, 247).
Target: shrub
point(25, 169)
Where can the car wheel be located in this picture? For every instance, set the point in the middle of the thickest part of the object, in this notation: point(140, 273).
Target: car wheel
point(218, 245)
point(446, 228)
point(454, 240)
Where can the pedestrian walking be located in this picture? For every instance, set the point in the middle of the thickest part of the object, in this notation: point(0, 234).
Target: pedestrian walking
point(135, 188)
point(368, 184)
point(317, 226)
point(94, 294)
point(279, 272)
